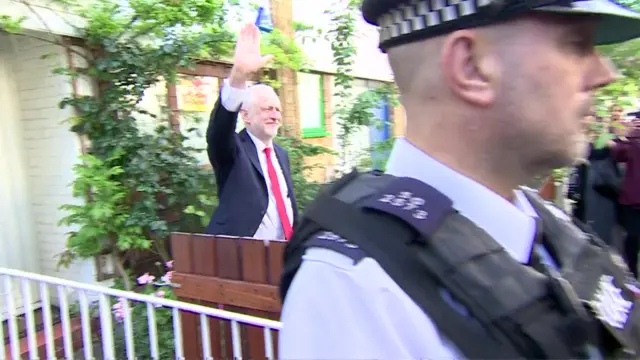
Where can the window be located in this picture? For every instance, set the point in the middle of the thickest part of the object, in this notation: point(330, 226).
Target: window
point(379, 135)
point(311, 105)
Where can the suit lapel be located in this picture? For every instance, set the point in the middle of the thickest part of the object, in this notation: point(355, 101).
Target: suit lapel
point(252, 151)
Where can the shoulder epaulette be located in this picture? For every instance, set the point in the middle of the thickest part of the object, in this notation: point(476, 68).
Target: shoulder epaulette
point(332, 241)
point(416, 203)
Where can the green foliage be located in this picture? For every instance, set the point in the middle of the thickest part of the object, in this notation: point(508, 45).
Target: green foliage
point(354, 112)
point(341, 35)
point(626, 57)
point(304, 189)
point(103, 222)
point(284, 50)
point(10, 24)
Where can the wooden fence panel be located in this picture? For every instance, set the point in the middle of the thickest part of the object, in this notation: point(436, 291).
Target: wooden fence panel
point(231, 273)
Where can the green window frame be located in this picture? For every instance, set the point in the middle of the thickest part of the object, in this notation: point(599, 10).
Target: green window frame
point(312, 131)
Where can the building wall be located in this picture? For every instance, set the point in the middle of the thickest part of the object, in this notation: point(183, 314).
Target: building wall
point(370, 62)
point(43, 15)
point(371, 68)
point(50, 149)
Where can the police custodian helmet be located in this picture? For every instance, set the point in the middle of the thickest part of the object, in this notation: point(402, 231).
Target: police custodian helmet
point(403, 21)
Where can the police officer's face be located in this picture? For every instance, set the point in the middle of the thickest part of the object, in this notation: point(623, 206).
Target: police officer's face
point(549, 70)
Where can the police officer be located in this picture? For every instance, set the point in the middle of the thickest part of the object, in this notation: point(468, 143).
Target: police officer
point(445, 256)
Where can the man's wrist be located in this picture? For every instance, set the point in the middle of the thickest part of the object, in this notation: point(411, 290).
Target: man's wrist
point(238, 79)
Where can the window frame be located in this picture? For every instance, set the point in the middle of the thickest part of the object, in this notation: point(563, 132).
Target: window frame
point(321, 130)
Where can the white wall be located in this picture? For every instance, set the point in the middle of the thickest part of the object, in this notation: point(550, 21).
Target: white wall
point(370, 62)
point(50, 149)
point(42, 15)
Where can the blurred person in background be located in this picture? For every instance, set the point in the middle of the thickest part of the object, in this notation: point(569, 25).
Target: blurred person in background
point(616, 114)
point(626, 150)
point(595, 205)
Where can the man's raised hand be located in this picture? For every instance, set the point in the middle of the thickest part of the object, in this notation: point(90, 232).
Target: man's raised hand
point(247, 59)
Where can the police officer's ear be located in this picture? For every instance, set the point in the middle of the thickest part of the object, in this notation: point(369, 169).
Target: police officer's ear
point(470, 67)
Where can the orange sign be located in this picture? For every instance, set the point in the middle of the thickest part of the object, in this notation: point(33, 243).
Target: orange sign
point(195, 94)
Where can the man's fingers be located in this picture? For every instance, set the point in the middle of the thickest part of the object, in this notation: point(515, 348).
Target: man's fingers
point(247, 28)
point(247, 33)
point(253, 33)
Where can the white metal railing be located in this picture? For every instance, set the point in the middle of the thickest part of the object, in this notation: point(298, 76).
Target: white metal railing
point(105, 315)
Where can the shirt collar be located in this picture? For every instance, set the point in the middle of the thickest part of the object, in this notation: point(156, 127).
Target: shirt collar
point(512, 225)
point(260, 145)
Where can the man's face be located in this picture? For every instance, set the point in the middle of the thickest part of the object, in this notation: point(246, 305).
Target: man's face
point(262, 117)
point(616, 113)
point(549, 70)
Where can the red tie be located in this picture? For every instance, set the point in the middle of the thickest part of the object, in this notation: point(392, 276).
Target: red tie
point(275, 187)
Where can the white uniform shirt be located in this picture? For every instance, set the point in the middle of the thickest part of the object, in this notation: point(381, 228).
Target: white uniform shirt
point(336, 309)
point(271, 227)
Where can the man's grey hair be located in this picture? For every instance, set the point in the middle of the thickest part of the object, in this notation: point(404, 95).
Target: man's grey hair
point(250, 94)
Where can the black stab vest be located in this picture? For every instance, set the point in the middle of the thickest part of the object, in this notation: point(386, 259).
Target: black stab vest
point(514, 310)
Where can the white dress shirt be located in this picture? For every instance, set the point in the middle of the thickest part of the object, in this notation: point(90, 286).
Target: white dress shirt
point(271, 226)
point(336, 309)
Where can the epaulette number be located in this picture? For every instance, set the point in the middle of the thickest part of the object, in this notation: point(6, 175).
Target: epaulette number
point(332, 241)
point(330, 236)
point(407, 202)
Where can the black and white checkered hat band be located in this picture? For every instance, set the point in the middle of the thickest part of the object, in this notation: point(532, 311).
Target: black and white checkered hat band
point(422, 14)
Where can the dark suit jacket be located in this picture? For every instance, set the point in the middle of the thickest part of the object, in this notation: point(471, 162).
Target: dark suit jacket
point(242, 189)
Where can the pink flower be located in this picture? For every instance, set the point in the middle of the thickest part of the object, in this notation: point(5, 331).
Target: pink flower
point(118, 309)
point(167, 277)
point(159, 293)
point(169, 264)
point(146, 279)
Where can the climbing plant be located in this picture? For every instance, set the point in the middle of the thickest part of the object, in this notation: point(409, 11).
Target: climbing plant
point(353, 112)
point(626, 58)
point(137, 187)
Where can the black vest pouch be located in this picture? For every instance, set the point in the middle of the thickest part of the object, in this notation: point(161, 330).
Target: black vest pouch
point(598, 277)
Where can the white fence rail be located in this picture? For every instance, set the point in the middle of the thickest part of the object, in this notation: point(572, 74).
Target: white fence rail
point(67, 292)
